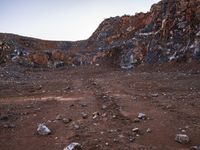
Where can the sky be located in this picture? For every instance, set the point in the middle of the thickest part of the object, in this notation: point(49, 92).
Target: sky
point(67, 20)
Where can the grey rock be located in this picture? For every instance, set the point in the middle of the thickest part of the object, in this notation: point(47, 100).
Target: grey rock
point(135, 130)
point(58, 64)
point(198, 33)
point(104, 107)
point(128, 60)
point(43, 130)
point(182, 138)
point(195, 148)
point(136, 120)
point(67, 120)
point(142, 116)
point(148, 130)
point(76, 126)
point(107, 144)
point(73, 146)
point(84, 115)
point(131, 139)
point(59, 117)
point(9, 125)
point(83, 105)
point(154, 95)
point(95, 115)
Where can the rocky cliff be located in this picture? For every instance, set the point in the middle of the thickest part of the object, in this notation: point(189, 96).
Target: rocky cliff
point(170, 31)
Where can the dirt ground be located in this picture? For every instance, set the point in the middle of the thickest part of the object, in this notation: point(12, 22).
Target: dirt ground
point(101, 105)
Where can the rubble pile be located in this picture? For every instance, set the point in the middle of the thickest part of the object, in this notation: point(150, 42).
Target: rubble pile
point(169, 32)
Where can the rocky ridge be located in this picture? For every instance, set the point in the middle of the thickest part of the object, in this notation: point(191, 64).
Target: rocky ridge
point(169, 32)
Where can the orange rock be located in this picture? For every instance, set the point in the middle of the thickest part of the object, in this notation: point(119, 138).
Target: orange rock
point(58, 55)
point(41, 59)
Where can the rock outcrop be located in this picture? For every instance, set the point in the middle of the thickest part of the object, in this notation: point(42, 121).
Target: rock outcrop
point(169, 32)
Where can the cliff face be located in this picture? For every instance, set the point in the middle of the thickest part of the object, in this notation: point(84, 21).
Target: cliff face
point(170, 31)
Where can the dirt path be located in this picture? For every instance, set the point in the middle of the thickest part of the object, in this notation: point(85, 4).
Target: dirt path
point(103, 105)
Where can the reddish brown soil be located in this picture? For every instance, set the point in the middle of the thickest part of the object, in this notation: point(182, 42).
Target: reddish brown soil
point(38, 96)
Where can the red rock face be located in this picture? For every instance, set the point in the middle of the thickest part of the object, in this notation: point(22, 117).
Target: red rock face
point(170, 31)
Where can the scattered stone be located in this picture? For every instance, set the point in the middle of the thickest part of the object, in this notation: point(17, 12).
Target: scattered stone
point(29, 106)
point(121, 136)
point(76, 126)
point(131, 139)
point(134, 98)
point(67, 120)
point(58, 64)
point(59, 117)
point(154, 95)
point(198, 33)
point(195, 148)
point(95, 124)
point(148, 130)
point(43, 130)
point(24, 113)
point(73, 146)
point(95, 115)
point(107, 144)
point(104, 115)
point(187, 127)
point(142, 116)
point(182, 138)
point(10, 125)
point(137, 135)
point(101, 132)
point(84, 105)
point(114, 116)
point(135, 130)
point(136, 120)
point(183, 131)
point(104, 107)
point(84, 115)
point(115, 140)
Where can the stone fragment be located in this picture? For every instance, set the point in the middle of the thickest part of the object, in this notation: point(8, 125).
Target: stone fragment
point(195, 148)
point(154, 95)
point(76, 126)
point(148, 130)
point(58, 64)
point(136, 120)
point(84, 115)
point(9, 125)
point(142, 116)
point(43, 130)
point(73, 146)
point(67, 120)
point(95, 115)
point(135, 130)
point(182, 138)
point(59, 117)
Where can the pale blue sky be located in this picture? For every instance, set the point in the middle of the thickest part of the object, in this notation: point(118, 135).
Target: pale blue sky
point(63, 19)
